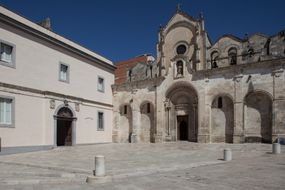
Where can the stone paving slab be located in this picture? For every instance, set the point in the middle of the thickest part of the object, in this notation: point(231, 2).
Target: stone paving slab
point(147, 166)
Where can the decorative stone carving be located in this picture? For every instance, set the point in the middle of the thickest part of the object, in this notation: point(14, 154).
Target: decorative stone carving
point(167, 104)
point(277, 73)
point(238, 78)
point(65, 112)
point(77, 107)
point(65, 103)
point(52, 104)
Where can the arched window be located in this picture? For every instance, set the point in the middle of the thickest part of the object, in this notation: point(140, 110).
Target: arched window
point(148, 108)
point(232, 54)
point(179, 67)
point(125, 109)
point(250, 52)
point(220, 102)
point(214, 59)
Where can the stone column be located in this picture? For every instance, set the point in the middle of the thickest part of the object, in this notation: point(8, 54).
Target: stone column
point(195, 122)
point(115, 131)
point(135, 138)
point(238, 135)
point(204, 110)
point(167, 107)
point(278, 112)
point(160, 118)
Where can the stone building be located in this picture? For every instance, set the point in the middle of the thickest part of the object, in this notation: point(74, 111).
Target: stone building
point(229, 91)
point(53, 92)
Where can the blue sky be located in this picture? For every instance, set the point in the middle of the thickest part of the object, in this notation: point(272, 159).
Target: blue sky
point(122, 29)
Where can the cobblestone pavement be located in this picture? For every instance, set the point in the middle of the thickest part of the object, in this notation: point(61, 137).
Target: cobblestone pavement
point(180, 165)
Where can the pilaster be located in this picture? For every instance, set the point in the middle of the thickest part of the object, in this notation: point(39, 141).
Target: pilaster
point(238, 136)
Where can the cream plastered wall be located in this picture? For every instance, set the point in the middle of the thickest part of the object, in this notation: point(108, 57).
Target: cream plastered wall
point(35, 125)
point(37, 66)
point(28, 127)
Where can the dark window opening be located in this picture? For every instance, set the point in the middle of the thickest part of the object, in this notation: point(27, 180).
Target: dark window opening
point(232, 53)
point(179, 66)
point(233, 59)
point(220, 102)
point(214, 59)
point(125, 109)
point(130, 74)
point(100, 121)
point(181, 49)
point(267, 46)
point(148, 108)
point(250, 52)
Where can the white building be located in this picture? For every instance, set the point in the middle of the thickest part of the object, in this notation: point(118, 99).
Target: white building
point(52, 91)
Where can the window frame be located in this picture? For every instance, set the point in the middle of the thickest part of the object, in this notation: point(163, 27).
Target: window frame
point(100, 90)
point(103, 121)
point(67, 75)
point(184, 43)
point(11, 64)
point(12, 125)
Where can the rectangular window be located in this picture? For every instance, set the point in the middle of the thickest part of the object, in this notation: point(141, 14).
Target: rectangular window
point(7, 54)
point(6, 106)
point(100, 84)
point(100, 121)
point(64, 73)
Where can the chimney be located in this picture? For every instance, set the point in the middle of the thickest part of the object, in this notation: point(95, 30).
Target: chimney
point(46, 23)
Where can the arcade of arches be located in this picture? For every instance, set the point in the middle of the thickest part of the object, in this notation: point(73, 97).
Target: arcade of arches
point(137, 122)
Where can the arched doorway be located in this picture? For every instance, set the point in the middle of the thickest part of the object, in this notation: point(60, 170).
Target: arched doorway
point(182, 128)
point(181, 112)
point(125, 123)
point(147, 131)
point(222, 119)
point(64, 127)
point(258, 117)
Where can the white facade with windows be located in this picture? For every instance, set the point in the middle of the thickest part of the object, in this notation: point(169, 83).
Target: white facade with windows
point(46, 94)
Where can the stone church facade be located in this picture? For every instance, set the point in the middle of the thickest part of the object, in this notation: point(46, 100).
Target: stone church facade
point(229, 91)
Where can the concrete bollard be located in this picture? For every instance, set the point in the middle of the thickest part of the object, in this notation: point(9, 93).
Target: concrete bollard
point(99, 166)
point(276, 148)
point(99, 175)
point(227, 154)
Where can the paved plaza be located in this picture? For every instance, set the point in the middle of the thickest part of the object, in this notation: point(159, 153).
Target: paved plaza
point(180, 165)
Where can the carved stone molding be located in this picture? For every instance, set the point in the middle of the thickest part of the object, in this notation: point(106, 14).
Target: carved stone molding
point(167, 104)
point(277, 73)
point(77, 107)
point(52, 104)
point(238, 78)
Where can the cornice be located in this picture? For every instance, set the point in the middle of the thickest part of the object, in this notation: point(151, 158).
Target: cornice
point(16, 24)
point(50, 94)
